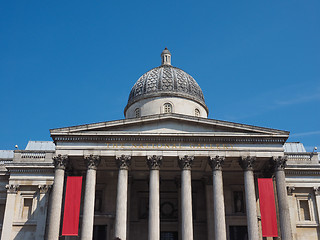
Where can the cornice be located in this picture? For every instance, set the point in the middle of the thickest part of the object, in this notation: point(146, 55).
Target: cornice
point(175, 138)
point(172, 116)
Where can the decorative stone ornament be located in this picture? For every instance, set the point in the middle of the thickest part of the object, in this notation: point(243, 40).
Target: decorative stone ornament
point(12, 188)
point(92, 161)
point(216, 162)
point(290, 190)
point(247, 162)
point(316, 190)
point(280, 162)
point(123, 161)
point(60, 161)
point(154, 162)
point(43, 189)
point(185, 162)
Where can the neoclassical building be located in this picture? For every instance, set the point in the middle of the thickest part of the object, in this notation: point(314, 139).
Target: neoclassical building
point(165, 172)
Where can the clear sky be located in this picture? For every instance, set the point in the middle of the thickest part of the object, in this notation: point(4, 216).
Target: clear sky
point(65, 63)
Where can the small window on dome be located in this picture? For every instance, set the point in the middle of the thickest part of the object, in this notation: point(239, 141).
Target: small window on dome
point(197, 112)
point(167, 108)
point(137, 112)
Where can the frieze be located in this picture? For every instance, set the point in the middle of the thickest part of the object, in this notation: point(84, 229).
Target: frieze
point(210, 139)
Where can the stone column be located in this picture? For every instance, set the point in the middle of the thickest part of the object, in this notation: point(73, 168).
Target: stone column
point(218, 198)
point(317, 195)
point(177, 181)
point(60, 163)
point(92, 163)
point(246, 164)
point(185, 164)
point(9, 211)
point(293, 214)
point(285, 223)
point(209, 206)
point(154, 163)
point(42, 210)
point(120, 231)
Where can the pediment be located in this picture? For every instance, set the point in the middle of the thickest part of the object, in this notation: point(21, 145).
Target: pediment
point(169, 124)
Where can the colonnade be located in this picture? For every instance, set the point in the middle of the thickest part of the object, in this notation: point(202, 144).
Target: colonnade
point(154, 164)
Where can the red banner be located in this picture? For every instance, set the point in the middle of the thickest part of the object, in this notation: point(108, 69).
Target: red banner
point(267, 208)
point(72, 207)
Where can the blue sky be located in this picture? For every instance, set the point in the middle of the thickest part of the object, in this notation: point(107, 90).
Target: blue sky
point(65, 63)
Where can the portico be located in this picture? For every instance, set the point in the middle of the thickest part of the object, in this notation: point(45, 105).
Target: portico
point(141, 172)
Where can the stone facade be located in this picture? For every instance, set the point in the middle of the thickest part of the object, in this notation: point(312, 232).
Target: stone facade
point(160, 175)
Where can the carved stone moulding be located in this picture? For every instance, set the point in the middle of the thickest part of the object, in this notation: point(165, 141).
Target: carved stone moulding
point(60, 161)
point(185, 162)
point(43, 189)
point(12, 188)
point(154, 162)
point(216, 162)
point(280, 162)
point(123, 161)
point(92, 161)
point(247, 162)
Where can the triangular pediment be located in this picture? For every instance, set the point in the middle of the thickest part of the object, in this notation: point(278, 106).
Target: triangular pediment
point(168, 124)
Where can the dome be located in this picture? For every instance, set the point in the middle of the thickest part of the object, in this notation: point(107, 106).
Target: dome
point(166, 81)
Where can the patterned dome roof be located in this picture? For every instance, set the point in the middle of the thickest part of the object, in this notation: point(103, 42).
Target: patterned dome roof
point(166, 81)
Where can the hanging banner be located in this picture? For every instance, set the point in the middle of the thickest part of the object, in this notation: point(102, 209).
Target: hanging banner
point(72, 206)
point(267, 207)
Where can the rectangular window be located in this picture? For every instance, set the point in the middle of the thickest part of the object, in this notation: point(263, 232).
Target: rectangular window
point(27, 208)
point(304, 210)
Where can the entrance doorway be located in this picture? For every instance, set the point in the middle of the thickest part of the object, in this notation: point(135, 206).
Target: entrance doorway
point(238, 233)
point(169, 236)
point(99, 232)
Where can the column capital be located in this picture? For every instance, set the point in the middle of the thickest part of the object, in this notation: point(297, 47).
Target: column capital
point(290, 190)
point(316, 190)
point(216, 162)
point(123, 161)
point(43, 189)
point(92, 161)
point(185, 162)
point(60, 161)
point(280, 162)
point(154, 162)
point(12, 188)
point(246, 162)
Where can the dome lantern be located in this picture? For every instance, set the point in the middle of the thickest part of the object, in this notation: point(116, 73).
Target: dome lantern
point(166, 57)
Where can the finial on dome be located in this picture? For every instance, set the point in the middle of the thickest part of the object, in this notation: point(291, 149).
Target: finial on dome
point(166, 57)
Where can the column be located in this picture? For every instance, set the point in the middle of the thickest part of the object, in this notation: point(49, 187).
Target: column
point(209, 206)
point(42, 210)
point(218, 198)
point(246, 164)
point(92, 163)
point(9, 211)
point(154, 163)
point(185, 164)
point(317, 195)
point(284, 213)
point(177, 181)
point(293, 213)
point(123, 163)
point(60, 163)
